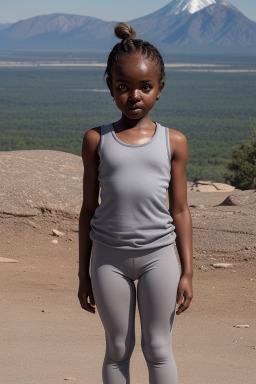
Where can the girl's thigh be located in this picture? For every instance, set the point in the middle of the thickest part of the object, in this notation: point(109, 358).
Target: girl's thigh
point(157, 292)
point(114, 294)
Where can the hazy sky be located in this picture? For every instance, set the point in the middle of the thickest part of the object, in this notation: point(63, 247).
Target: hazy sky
point(14, 10)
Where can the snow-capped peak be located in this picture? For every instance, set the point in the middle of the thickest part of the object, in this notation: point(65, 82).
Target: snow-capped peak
point(191, 6)
point(194, 6)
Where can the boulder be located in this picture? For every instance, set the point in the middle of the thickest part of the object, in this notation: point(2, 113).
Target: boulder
point(241, 198)
point(32, 182)
point(208, 186)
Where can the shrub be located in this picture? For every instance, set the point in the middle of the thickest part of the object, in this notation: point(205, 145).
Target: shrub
point(243, 165)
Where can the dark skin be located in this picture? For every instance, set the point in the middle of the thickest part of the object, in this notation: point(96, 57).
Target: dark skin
point(135, 87)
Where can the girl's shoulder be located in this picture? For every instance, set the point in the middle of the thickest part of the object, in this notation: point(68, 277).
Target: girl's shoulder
point(178, 142)
point(176, 135)
point(92, 134)
point(91, 140)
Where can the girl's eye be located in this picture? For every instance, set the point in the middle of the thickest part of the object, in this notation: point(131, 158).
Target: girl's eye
point(146, 88)
point(122, 87)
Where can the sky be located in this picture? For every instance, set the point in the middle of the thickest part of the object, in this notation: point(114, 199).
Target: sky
point(109, 10)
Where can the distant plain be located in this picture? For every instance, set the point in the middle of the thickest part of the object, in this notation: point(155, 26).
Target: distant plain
point(49, 99)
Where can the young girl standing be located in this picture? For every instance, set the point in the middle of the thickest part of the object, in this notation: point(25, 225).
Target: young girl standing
point(130, 235)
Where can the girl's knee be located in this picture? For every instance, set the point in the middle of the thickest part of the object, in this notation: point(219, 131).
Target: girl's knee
point(158, 349)
point(119, 350)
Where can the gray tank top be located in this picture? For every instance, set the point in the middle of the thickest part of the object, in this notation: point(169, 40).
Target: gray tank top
point(133, 181)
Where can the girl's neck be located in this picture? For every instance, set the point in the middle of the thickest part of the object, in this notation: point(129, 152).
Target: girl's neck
point(125, 123)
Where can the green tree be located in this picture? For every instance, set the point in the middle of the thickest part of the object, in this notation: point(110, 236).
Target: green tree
point(243, 164)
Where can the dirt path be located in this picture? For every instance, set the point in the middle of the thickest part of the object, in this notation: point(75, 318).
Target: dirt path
point(46, 337)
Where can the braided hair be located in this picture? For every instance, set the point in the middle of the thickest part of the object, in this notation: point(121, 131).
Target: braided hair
point(129, 45)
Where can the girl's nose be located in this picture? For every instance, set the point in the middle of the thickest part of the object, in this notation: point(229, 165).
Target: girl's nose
point(134, 95)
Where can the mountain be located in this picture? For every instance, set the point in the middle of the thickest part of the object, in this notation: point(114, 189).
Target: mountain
point(220, 25)
point(179, 6)
point(4, 25)
point(181, 25)
point(57, 31)
point(200, 25)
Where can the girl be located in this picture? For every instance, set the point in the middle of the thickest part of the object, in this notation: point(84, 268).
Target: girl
point(131, 233)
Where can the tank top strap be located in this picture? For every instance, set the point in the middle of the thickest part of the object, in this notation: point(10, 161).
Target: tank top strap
point(163, 140)
point(168, 146)
point(104, 133)
point(105, 129)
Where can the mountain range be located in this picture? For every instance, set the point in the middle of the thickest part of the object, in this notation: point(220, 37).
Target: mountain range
point(181, 25)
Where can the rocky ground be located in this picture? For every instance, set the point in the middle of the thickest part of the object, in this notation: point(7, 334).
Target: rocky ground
point(47, 338)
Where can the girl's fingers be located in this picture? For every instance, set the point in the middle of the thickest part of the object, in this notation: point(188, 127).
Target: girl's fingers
point(180, 304)
point(92, 301)
point(180, 309)
point(184, 294)
point(84, 303)
point(179, 298)
point(87, 306)
point(86, 298)
point(183, 305)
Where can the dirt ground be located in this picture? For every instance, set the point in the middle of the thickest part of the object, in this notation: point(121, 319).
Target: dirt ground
point(46, 337)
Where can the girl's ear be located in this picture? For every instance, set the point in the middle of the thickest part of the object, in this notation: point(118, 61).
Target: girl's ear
point(160, 88)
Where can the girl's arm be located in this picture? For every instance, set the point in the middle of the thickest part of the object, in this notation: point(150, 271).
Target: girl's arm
point(90, 203)
point(180, 213)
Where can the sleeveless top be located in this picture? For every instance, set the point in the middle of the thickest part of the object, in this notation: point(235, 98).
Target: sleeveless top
point(133, 183)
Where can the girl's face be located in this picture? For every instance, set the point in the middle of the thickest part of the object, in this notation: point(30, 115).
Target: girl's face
point(135, 86)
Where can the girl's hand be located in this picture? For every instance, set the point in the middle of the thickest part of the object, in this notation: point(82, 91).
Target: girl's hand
point(85, 291)
point(184, 293)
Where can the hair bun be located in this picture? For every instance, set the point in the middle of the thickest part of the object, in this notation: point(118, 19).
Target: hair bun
point(124, 31)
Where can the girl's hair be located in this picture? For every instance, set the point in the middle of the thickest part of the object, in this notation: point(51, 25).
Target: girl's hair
point(129, 45)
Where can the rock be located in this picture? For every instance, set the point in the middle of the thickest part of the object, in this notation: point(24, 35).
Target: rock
point(203, 268)
point(222, 265)
point(39, 181)
point(208, 186)
point(55, 232)
point(55, 242)
point(241, 198)
point(70, 378)
point(221, 187)
point(4, 260)
point(34, 225)
point(241, 326)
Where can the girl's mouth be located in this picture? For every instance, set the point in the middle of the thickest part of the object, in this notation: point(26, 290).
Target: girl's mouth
point(134, 108)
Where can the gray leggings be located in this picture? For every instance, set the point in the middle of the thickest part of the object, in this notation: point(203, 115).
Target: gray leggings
point(113, 272)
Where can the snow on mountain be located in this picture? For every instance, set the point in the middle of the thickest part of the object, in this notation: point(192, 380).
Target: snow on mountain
point(194, 6)
point(191, 6)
